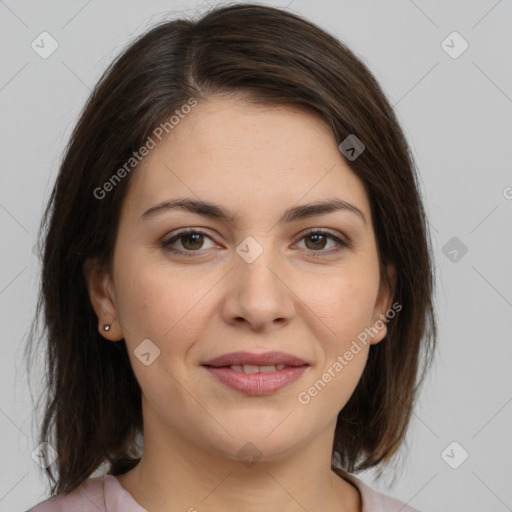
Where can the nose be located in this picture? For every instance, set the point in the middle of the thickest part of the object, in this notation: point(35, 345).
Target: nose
point(259, 293)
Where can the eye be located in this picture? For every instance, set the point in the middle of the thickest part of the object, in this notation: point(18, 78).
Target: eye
point(192, 241)
point(318, 240)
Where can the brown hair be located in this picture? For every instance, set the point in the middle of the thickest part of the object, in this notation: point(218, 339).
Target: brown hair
point(92, 409)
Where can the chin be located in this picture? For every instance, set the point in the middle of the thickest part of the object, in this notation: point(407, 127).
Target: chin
point(249, 451)
point(255, 442)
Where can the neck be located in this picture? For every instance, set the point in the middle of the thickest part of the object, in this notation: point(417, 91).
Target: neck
point(174, 474)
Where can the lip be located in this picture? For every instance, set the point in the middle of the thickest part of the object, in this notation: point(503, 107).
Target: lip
point(263, 359)
point(256, 383)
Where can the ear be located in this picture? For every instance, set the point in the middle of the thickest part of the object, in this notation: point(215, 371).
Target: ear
point(383, 305)
point(101, 294)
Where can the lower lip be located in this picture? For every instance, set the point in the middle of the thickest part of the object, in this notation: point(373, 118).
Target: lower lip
point(257, 383)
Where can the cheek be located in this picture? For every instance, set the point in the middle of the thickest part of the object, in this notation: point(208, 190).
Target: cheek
point(343, 305)
point(158, 304)
point(331, 387)
point(347, 308)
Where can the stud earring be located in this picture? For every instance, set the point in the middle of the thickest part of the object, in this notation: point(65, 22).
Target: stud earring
point(106, 327)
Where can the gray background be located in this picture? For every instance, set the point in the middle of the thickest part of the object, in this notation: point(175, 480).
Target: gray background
point(457, 114)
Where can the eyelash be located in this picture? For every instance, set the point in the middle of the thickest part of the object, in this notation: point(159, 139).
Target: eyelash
point(166, 244)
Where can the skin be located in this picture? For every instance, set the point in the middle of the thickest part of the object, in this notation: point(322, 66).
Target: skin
point(255, 161)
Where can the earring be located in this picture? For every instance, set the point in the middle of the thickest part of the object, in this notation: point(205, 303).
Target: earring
point(106, 327)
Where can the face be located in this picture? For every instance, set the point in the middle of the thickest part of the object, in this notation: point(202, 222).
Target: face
point(267, 276)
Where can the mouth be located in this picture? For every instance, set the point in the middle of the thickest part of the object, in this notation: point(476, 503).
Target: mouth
point(249, 359)
point(256, 374)
point(253, 368)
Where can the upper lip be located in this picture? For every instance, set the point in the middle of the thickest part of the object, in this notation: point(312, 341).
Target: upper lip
point(263, 359)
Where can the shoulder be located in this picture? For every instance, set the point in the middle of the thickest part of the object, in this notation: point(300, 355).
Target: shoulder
point(89, 496)
point(374, 501)
point(99, 494)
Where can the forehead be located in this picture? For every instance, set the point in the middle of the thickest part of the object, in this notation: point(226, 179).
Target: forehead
point(257, 156)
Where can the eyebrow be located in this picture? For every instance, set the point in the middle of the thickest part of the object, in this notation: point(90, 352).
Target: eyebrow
point(217, 212)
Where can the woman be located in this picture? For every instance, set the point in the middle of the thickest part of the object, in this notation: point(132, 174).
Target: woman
point(237, 281)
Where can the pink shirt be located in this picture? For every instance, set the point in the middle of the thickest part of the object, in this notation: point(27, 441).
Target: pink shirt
point(105, 494)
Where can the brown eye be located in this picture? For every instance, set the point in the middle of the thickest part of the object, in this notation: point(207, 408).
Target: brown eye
point(316, 241)
point(191, 241)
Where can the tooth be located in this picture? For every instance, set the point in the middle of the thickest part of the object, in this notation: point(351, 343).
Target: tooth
point(267, 369)
point(236, 367)
point(280, 366)
point(251, 368)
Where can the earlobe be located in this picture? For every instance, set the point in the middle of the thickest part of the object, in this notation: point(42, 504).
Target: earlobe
point(99, 287)
point(383, 304)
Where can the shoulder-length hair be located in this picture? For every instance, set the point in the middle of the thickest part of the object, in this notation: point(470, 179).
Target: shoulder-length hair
point(92, 406)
